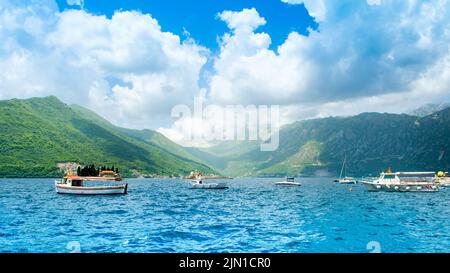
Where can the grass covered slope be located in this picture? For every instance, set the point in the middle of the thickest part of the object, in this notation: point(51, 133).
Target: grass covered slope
point(146, 135)
point(37, 133)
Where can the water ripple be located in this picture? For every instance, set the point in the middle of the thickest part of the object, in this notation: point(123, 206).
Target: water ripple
point(252, 216)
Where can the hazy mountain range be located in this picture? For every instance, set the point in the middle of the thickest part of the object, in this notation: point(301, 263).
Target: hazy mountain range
point(429, 109)
point(372, 142)
point(37, 133)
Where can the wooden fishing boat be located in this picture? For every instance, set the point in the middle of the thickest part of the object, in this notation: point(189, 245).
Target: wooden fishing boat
point(73, 184)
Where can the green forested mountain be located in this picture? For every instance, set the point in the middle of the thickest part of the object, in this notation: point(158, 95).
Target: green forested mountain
point(37, 133)
point(372, 143)
point(145, 135)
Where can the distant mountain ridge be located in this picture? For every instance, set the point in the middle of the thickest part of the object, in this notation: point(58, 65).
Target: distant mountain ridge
point(372, 142)
point(429, 109)
point(38, 133)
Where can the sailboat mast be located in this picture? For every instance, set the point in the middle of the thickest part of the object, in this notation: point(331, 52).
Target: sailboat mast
point(343, 166)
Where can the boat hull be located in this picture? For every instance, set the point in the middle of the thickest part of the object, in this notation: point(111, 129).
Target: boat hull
point(105, 190)
point(210, 186)
point(288, 184)
point(346, 181)
point(376, 187)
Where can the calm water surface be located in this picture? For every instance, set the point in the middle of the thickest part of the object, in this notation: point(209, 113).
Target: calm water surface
point(252, 216)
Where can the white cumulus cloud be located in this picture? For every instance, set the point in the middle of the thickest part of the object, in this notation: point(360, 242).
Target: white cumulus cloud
point(316, 8)
point(374, 2)
point(75, 3)
point(357, 54)
point(373, 55)
point(126, 67)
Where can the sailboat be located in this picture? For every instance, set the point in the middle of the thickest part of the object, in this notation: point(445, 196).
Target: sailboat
point(343, 178)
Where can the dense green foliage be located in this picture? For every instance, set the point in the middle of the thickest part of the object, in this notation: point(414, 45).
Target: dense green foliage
point(38, 133)
point(90, 170)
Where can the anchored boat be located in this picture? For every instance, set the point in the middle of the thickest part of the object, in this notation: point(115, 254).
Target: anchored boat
point(290, 181)
point(346, 180)
point(404, 182)
point(199, 184)
point(343, 178)
point(105, 184)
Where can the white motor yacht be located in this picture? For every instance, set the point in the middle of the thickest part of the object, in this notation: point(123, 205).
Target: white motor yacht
point(290, 181)
point(403, 182)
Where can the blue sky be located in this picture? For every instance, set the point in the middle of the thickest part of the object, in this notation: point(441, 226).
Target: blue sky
point(313, 58)
point(199, 17)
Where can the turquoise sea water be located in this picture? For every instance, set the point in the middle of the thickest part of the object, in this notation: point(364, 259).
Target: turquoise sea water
point(252, 216)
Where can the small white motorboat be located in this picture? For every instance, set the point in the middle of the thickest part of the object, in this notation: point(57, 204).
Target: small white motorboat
point(199, 184)
point(290, 181)
point(79, 186)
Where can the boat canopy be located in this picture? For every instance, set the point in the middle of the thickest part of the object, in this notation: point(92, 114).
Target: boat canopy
point(415, 173)
point(411, 173)
point(91, 178)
